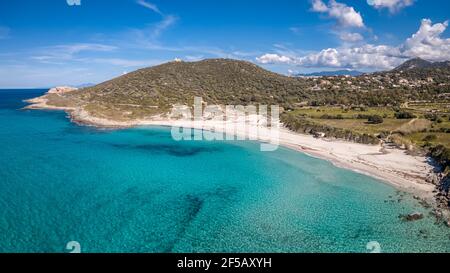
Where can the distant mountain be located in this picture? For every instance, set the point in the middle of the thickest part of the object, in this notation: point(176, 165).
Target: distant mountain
point(353, 73)
point(418, 63)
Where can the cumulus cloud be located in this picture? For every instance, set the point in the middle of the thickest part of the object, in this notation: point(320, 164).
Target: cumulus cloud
point(351, 37)
point(273, 58)
point(319, 6)
point(392, 5)
point(367, 56)
point(426, 43)
point(346, 16)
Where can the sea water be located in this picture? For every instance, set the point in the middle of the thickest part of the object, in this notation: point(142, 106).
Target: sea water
point(138, 190)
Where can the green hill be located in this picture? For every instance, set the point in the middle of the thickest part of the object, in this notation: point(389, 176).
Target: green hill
point(222, 81)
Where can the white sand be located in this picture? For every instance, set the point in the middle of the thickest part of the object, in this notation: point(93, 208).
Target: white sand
point(394, 166)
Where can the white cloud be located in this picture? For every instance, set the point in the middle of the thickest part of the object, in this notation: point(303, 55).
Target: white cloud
point(351, 37)
point(367, 56)
point(346, 16)
point(274, 58)
point(150, 6)
point(426, 43)
point(319, 6)
point(392, 5)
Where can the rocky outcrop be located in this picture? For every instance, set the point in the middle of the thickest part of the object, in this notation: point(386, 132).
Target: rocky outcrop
point(61, 90)
point(443, 195)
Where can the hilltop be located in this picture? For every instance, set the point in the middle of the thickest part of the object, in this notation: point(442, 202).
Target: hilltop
point(418, 64)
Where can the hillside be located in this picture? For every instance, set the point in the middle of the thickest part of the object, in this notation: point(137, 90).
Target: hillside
point(217, 81)
point(154, 90)
point(418, 63)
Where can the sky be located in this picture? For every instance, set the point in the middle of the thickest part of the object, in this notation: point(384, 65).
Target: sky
point(72, 42)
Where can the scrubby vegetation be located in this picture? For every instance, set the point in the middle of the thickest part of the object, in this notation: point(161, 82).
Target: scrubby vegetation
point(375, 119)
point(371, 124)
point(404, 115)
point(308, 126)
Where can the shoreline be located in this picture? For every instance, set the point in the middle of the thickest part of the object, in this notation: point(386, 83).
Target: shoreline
point(391, 166)
point(414, 175)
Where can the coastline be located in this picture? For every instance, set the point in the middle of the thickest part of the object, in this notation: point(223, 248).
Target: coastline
point(390, 165)
point(414, 175)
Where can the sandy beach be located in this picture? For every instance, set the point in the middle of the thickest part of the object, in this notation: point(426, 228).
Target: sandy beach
point(393, 166)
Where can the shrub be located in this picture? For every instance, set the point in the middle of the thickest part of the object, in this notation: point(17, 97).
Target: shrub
point(429, 138)
point(431, 116)
point(326, 116)
point(361, 116)
point(404, 115)
point(375, 119)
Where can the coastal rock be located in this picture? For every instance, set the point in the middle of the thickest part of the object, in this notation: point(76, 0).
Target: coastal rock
point(61, 90)
point(412, 216)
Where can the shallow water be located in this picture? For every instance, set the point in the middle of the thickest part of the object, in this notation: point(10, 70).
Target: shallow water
point(137, 190)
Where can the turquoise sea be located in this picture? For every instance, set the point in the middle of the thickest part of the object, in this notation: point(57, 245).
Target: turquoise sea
point(137, 190)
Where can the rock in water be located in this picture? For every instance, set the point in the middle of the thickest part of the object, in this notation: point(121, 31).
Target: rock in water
point(412, 217)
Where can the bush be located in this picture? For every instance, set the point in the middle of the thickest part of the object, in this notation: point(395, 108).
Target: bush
point(404, 115)
point(431, 116)
point(361, 116)
point(326, 116)
point(375, 119)
point(429, 138)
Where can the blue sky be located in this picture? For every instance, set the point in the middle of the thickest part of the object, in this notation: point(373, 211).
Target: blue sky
point(48, 43)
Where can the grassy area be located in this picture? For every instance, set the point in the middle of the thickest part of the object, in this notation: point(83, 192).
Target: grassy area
point(362, 126)
point(317, 112)
point(411, 130)
point(424, 107)
point(424, 138)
